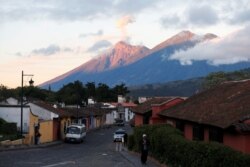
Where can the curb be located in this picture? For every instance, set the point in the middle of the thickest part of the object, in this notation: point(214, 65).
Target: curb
point(28, 147)
point(150, 158)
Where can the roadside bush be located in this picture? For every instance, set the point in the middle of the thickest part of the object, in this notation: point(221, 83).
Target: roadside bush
point(11, 137)
point(168, 145)
point(131, 142)
point(8, 128)
point(2, 121)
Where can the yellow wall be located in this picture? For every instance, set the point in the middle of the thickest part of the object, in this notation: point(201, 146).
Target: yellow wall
point(64, 121)
point(46, 131)
point(29, 138)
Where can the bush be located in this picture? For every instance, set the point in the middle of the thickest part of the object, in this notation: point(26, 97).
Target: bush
point(2, 121)
point(11, 137)
point(131, 142)
point(8, 128)
point(168, 145)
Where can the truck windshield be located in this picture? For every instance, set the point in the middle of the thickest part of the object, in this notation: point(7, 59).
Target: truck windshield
point(73, 130)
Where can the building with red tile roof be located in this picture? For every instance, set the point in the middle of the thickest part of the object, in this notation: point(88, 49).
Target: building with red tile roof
point(147, 112)
point(219, 114)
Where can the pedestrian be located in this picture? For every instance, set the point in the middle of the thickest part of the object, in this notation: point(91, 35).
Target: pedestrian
point(144, 145)
point(37, 137)
point(125, 136)
point(118, 145)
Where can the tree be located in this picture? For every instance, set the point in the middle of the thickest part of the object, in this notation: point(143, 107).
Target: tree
point(91, 89)
point(103, 93)
point(214, 79)
point(72, 93)
point(5, 92)
point(121, 89)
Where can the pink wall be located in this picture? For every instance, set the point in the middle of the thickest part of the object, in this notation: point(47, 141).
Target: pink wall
point(247, 122)
point(138, 119)
point(188, 131)
point(238, 142)
point(206, 134)
point(156, 109)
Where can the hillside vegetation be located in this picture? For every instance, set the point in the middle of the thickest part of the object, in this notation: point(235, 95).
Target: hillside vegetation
point(190, 86)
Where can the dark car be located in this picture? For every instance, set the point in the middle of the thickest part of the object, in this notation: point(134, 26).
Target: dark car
point(119, 122)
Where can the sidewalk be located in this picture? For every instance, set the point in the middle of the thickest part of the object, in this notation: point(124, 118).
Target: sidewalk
point(135, 159)
point(21, 147)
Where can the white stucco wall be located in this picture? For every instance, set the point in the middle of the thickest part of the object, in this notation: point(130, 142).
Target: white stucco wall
point(13, 114)
point(110, 117)
point(128, 114)
point(12, 101)
point(42, 113)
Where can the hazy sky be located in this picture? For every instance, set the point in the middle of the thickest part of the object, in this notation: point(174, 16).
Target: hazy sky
point(50, 37)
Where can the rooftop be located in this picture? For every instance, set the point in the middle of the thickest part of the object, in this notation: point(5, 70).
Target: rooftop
point(221, 106)
point(147, 105)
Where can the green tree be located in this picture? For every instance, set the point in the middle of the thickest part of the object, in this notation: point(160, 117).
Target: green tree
point(72, 93)
point(120, 89)
point(5, 92)
point(103, 93)
point(90, 89)
point(214, 79)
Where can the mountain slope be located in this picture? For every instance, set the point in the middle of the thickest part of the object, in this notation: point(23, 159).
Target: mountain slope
point(153, 66)
point(121, 54)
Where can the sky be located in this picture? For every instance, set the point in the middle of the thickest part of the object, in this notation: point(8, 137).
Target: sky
point(47, 38)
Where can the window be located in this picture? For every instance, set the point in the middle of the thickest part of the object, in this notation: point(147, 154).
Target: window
point(180, 125)
point(198, 132)
point(216, 134)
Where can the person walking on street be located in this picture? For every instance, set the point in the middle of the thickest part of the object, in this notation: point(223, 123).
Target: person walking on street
point(125, 139)
point(144, 144)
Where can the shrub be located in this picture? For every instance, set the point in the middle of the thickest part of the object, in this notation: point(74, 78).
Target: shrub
point(131, 142)
point(8, 128)
point(168, 145)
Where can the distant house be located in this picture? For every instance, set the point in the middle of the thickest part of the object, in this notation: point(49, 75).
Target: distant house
point(219, 114)
point(147, 112)
point(93, 116)
point(112, 113)
point(53, 121)
point(124, 110)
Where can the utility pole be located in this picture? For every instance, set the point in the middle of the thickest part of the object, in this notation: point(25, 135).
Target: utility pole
point(31, 83)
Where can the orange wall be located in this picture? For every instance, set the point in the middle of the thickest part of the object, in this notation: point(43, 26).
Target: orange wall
point(46, 130)
point(138, 119)
point(29, 138)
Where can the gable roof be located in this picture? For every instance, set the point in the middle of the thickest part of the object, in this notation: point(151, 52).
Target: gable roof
point(147, 105)
point(59, 111)
point(124, 104)
point(87, 111)
point(221, 106)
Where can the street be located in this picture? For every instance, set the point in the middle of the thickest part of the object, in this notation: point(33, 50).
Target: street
point(98, 149)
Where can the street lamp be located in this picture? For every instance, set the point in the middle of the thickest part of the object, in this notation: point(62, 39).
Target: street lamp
point(31, 82)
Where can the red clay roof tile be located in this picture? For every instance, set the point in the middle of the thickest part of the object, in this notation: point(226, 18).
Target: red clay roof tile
point(220, 106)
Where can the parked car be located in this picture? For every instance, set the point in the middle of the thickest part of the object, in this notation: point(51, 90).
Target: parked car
point(75, 133)
point(119, 122)
point(118, 135)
